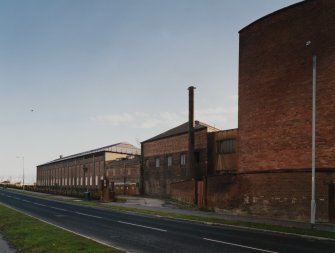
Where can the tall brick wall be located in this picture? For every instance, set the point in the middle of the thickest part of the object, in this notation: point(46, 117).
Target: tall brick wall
point(281, 194)
point(183, 191)
point(275, 88)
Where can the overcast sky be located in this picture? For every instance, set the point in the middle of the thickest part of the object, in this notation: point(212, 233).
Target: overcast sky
point(77, 75)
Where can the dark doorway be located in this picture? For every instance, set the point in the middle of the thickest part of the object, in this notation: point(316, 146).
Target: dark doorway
point(331, 203)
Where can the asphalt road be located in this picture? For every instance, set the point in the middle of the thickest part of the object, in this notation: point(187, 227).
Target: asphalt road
point(139, 233)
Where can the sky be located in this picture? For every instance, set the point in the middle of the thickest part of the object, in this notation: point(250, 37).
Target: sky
point(76, 75)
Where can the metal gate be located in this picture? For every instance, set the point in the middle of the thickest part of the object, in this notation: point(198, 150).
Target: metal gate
point(331, 204)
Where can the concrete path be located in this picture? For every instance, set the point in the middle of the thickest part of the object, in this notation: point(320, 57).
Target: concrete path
point(4, 247)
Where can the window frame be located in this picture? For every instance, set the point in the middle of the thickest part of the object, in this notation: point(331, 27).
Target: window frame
point(157, 162)
point(183, 160)
point(226, 146)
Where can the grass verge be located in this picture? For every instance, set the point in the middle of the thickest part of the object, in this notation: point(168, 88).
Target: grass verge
point(254, 225)
point(29, 235)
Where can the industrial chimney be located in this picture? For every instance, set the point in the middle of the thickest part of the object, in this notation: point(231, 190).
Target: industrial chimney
point(190, 164)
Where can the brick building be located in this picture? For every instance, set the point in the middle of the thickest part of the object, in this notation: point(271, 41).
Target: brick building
point(275, 113)
point(269, 172)
point(84, 169)
point(165, 158)
point(125, 173)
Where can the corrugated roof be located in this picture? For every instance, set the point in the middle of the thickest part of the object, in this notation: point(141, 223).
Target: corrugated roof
point(181, 129)
point(121, 148)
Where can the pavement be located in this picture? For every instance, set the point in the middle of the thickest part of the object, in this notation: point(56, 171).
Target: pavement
point(4, 247)
point(173, 207)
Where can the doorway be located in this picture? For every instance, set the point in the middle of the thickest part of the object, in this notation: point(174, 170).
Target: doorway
point(331, 202)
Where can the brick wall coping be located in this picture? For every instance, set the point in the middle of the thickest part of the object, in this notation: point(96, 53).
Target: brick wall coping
point(272, 14)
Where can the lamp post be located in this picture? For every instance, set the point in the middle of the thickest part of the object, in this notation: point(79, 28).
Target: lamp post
point(22, 157)
point(313, 203)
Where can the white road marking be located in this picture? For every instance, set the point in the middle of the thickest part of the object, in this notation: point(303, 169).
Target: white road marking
point(239, 245)
point(60, 209)
point(89, 215)
point(26, 201)
point(38, 204)
point(137, 225)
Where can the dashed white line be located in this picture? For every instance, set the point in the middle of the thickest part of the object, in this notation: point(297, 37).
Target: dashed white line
point(89, 215)
point(60, 209)
point(39, 204)
point(239, 245)
point(137, 225)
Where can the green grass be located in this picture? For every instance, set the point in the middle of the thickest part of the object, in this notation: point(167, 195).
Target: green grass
point(29, 235)
point(269, 227)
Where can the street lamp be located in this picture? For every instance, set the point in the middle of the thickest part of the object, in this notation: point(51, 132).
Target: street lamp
point(313, 202)
point(22, 157)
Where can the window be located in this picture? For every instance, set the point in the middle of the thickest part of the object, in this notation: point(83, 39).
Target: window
point(226, 146)
point(157, 162)
point(183, 159)
point(197, 157)
point(169, 161)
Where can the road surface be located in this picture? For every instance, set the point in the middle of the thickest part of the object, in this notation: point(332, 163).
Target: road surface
point(140, 233)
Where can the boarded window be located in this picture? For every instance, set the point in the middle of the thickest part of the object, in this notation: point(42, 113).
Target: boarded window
point(157, 162)
point(226, 146)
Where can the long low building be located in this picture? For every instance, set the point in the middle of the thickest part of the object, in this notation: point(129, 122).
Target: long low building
point(83, 169)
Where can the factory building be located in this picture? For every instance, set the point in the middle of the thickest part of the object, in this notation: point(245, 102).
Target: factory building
point(165, 159)
point(269, 169)
point(84, 169)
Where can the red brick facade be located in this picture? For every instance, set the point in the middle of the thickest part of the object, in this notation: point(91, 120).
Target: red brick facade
point(275, 112)
point(275, 88)
point(84, 169)
point(275, 194)
point(125, 174)
point(157, 180)
point(273, 176)
point(172, 178)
